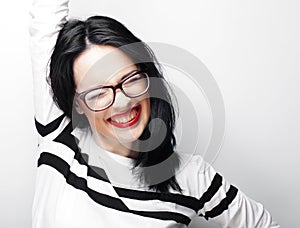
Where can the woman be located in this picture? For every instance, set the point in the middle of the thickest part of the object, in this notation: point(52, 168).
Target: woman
point(104, 122)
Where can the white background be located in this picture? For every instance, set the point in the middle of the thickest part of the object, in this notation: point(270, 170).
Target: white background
point(252, 49)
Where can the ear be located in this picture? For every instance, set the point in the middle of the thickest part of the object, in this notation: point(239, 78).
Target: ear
point(78, 108)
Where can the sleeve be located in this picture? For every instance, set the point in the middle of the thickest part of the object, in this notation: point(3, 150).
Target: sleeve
point(224, 204)
point(46, 18)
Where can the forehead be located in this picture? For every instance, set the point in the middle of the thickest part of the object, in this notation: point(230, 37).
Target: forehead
point(100, 65)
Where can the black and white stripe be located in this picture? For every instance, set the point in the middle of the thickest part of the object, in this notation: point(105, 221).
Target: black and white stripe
point(103, 199)
point(47, 129)
point(223, 205)
point(110, 200)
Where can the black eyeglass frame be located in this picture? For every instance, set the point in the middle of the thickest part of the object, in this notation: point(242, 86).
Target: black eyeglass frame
point(82, 95)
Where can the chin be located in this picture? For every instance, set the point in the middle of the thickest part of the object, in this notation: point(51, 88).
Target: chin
point(129, 134)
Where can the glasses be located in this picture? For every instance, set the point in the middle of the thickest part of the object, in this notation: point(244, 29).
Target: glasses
point(134, 84)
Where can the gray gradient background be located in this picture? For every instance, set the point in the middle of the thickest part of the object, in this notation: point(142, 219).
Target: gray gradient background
point(252, 49)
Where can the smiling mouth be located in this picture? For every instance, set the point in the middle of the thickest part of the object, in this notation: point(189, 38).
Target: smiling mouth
point(127, 118)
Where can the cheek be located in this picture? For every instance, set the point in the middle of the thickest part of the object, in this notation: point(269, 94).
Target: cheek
point(146, 108)
point(96, 119)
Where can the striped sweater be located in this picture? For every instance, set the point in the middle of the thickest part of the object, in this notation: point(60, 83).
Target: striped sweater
point(79, 184)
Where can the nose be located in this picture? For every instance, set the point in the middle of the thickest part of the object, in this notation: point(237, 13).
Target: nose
point(122, 102)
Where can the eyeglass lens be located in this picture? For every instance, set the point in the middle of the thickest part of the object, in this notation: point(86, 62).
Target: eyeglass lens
point(101, 98)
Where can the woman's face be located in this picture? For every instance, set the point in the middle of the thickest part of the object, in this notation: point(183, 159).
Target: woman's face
point(125, 120)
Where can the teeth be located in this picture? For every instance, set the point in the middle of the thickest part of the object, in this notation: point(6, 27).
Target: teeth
point(126, 119)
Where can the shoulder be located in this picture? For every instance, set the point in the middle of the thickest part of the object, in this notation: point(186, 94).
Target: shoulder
point(193, 163)
point(194, 175)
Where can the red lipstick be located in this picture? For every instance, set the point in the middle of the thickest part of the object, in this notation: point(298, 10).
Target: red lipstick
point(137, 109)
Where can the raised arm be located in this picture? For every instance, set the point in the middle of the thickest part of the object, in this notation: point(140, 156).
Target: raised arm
point(47, 16)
